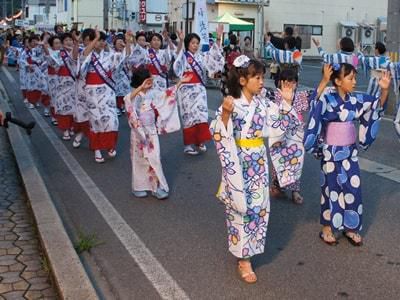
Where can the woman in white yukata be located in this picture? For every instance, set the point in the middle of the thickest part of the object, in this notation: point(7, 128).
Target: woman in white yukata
point(65, 61)
point(97, 69)
point(23, 71)
point(121, 75)
point(45, 96)
point(156, 60)
point(143, 104)
point(31, 65)
point(52, 71)
point(238, 131)
point(192, 96)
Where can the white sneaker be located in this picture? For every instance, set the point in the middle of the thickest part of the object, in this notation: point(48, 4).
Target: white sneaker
point(31, 106)
point(202, 148)
point(160, 194)
point(188, 149)
point(46, 112)
point(139, 194)
point(37, 104)
point(26, 101)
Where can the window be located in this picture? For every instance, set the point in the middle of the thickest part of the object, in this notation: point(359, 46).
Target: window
point(316, 30)
point(305, 32)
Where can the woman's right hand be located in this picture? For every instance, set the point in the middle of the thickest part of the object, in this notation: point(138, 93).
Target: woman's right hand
point(228, 105)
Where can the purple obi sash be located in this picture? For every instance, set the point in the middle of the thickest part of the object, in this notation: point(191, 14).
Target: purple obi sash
point(340, 134)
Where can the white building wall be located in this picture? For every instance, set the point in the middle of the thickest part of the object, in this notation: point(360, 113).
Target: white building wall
point(40, 10)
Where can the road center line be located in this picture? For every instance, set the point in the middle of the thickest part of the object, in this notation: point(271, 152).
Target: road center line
point(158, 276)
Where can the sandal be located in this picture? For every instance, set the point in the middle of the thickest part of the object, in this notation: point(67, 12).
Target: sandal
point(323, 236)
point(248, 277)
point(112, 153)
point(352, 238)
point(297, 198)
point(76, 143)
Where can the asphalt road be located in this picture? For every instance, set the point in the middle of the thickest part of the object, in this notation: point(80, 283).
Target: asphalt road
point(186, 238)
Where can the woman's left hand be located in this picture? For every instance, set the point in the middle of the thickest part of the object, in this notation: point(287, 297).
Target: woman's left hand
point(384, 82)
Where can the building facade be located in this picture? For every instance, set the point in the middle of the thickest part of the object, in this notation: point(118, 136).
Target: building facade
point(115, 14)
point(40, 11)
point(323, 19)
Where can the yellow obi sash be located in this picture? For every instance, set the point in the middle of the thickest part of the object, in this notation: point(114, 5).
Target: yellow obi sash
point(250, 143)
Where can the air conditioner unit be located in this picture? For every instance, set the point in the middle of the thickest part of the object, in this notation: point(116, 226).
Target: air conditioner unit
point(382, 37)
point(367, 35)
point(348, 29)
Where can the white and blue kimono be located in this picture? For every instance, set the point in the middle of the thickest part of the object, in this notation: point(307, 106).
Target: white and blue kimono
point(372, 66)
point(244, 187)
point(339, 57)
point(341, 202)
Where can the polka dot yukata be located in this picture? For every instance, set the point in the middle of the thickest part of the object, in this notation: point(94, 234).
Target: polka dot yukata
point(341, 201)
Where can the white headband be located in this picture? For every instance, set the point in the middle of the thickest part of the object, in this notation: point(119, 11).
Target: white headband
point(241, 61)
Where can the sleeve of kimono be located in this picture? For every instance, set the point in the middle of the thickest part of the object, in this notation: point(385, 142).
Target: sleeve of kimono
point(130, 109)
point(52, 60)
point(23, 63)
point(328, 58)
point(314, 126)
point(280, 56)
point(369, 119)
point(180, 64)
point(137, 55)
point(84, 68)
point(167, 108)
point(214, 61)
point(117, 58)
point(303, 100)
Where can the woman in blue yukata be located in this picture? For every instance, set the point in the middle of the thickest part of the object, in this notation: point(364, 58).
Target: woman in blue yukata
point(238, 131)
point(331, 135)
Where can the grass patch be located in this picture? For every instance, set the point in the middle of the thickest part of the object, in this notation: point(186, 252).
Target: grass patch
point(86, 242)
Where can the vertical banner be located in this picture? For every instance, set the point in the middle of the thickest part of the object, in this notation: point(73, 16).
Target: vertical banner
point(201, 21)
point(142, 11)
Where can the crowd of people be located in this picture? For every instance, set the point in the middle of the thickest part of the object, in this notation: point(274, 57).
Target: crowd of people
point(85, 80)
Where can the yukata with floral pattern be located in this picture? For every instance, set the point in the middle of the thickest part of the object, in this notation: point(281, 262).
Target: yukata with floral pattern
point(100, 99)
point(147, 172)
point(244, 185)
point(23, 72)
point(341, 202)
point(192, 96)
point(286, 134)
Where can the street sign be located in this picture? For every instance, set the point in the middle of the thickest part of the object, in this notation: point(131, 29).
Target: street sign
point(19, 22)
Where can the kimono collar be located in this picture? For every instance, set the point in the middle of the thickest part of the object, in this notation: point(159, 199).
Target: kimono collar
point(244, 101)
point(346, 52)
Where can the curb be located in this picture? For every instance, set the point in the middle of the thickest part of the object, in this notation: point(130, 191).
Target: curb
point(70, 276)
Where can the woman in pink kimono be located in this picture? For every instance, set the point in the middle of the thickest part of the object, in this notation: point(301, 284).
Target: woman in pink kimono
point(150, 113)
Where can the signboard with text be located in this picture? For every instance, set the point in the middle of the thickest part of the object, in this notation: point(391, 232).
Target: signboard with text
point(142, 11)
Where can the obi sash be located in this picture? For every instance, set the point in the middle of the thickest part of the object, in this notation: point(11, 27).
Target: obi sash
point(102, 73)
point(65, 70)
point(92, 78)
point(156, 68)
point(194, 79)
point(340, 134)
point(195, 66)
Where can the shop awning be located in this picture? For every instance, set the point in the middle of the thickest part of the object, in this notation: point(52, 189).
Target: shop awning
point(235, 24)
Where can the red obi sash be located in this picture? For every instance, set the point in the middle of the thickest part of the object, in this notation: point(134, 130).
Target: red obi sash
point(93, 78)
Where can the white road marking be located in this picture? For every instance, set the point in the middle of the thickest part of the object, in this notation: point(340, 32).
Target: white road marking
point(159, 277)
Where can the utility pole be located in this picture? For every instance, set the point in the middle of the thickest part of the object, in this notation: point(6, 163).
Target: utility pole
point(47, 10)
point(105, 13)
point(187, 18)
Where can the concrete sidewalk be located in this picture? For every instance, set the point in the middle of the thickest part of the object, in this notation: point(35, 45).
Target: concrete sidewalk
point(24, 272)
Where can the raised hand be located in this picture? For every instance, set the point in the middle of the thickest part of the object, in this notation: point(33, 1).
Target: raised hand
point(228, 105)
point(327, 72)
point(384, 82)
point(287, 91)
point(180, 34)
point(147, 84)
point(97, 36)
point(220, 30)
point(316, 42)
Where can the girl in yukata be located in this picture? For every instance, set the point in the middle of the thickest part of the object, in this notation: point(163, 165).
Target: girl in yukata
point(97, 69)
point(238, 131)
point(192, 96)
point(331, 135)
point(150, 113)
point(122, 76)
point(45, 94)
point(286, 135)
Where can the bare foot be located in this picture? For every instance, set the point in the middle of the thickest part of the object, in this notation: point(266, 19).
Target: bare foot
point(327, 236)
point(297, 198)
